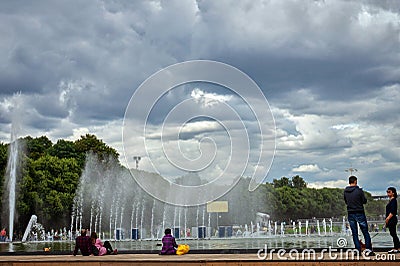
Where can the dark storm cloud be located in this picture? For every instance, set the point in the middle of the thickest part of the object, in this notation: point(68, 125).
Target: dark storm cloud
point(106, 45)
point(330, 69)
point(337, 54)
point(329, 79)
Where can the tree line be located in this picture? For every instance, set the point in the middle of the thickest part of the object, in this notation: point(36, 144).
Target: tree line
point(49, 176)
point(288, 199)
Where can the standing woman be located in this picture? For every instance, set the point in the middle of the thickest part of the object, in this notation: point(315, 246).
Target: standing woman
point(391, 218)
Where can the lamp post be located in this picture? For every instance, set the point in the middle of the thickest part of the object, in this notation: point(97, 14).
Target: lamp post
point(351, 170)
point(137, 160)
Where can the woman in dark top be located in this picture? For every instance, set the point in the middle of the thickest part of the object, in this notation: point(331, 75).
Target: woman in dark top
point(391, 218)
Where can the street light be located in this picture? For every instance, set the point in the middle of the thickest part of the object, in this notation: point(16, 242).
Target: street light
point(351, 170)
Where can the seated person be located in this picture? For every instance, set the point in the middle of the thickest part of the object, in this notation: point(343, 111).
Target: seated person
point(84, 243)
point(168, 243)
point(103, 249)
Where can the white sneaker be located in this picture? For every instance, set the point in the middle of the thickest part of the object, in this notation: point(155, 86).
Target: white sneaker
point(369, 252)
point(393, 251)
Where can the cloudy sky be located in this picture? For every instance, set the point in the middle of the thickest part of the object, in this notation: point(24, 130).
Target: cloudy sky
point(330, 71)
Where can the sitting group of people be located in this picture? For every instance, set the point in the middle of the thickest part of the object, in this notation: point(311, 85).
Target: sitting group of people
point(92, 245)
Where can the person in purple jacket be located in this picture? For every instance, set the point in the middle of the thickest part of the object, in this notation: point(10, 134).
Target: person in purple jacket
point(168, 243)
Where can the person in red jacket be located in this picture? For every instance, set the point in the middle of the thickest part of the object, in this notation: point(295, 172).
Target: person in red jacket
point(3, 235)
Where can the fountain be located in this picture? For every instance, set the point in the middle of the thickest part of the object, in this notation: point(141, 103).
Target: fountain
point(110, 202)
point(12, 164)
point(330, 226)
point(34, 230)
point(107, 193)
point(307, 233)
point(300, 228)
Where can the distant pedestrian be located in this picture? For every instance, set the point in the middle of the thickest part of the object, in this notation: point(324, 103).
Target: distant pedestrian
point(391, 218)
point(168, 243)
point(3, 235)
point(355, 200)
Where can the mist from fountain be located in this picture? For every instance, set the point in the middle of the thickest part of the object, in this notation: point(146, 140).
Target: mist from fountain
point(109, 201)
point(125, 205)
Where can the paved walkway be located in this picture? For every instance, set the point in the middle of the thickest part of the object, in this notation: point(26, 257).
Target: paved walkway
point(338, 258)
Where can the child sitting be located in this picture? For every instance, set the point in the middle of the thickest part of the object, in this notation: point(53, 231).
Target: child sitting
point(168, 243)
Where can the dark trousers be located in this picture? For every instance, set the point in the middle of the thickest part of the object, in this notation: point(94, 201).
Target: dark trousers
point(393, 234)
point(108, 246)
point(361, 220)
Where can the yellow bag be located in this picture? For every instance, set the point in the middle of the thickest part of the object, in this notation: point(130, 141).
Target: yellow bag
point(182, 249)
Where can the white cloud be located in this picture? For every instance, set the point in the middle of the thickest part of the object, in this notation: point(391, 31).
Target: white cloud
point(209, 99)
point(307, 168)
point(329, 183)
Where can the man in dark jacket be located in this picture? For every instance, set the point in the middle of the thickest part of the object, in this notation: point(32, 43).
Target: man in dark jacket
point(355, 200)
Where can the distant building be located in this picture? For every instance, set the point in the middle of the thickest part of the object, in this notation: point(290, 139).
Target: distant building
point(384, 197)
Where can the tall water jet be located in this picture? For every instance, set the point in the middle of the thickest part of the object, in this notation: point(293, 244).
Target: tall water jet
point(12, 164)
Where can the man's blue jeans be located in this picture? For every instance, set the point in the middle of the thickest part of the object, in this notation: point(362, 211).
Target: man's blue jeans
point(359, 218)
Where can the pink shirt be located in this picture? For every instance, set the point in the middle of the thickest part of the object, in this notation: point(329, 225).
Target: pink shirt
point(99, 246)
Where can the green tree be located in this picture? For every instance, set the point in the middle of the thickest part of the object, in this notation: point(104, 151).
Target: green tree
point(283, 182)
point(298, 182)
point(64, 149)
point(48, 189)
point(37, 147)
point(90, 143)
point(3, 167)
point(374, 208)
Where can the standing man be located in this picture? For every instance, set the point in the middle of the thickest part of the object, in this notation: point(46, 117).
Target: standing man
point(355, 200)
point(84, 243)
